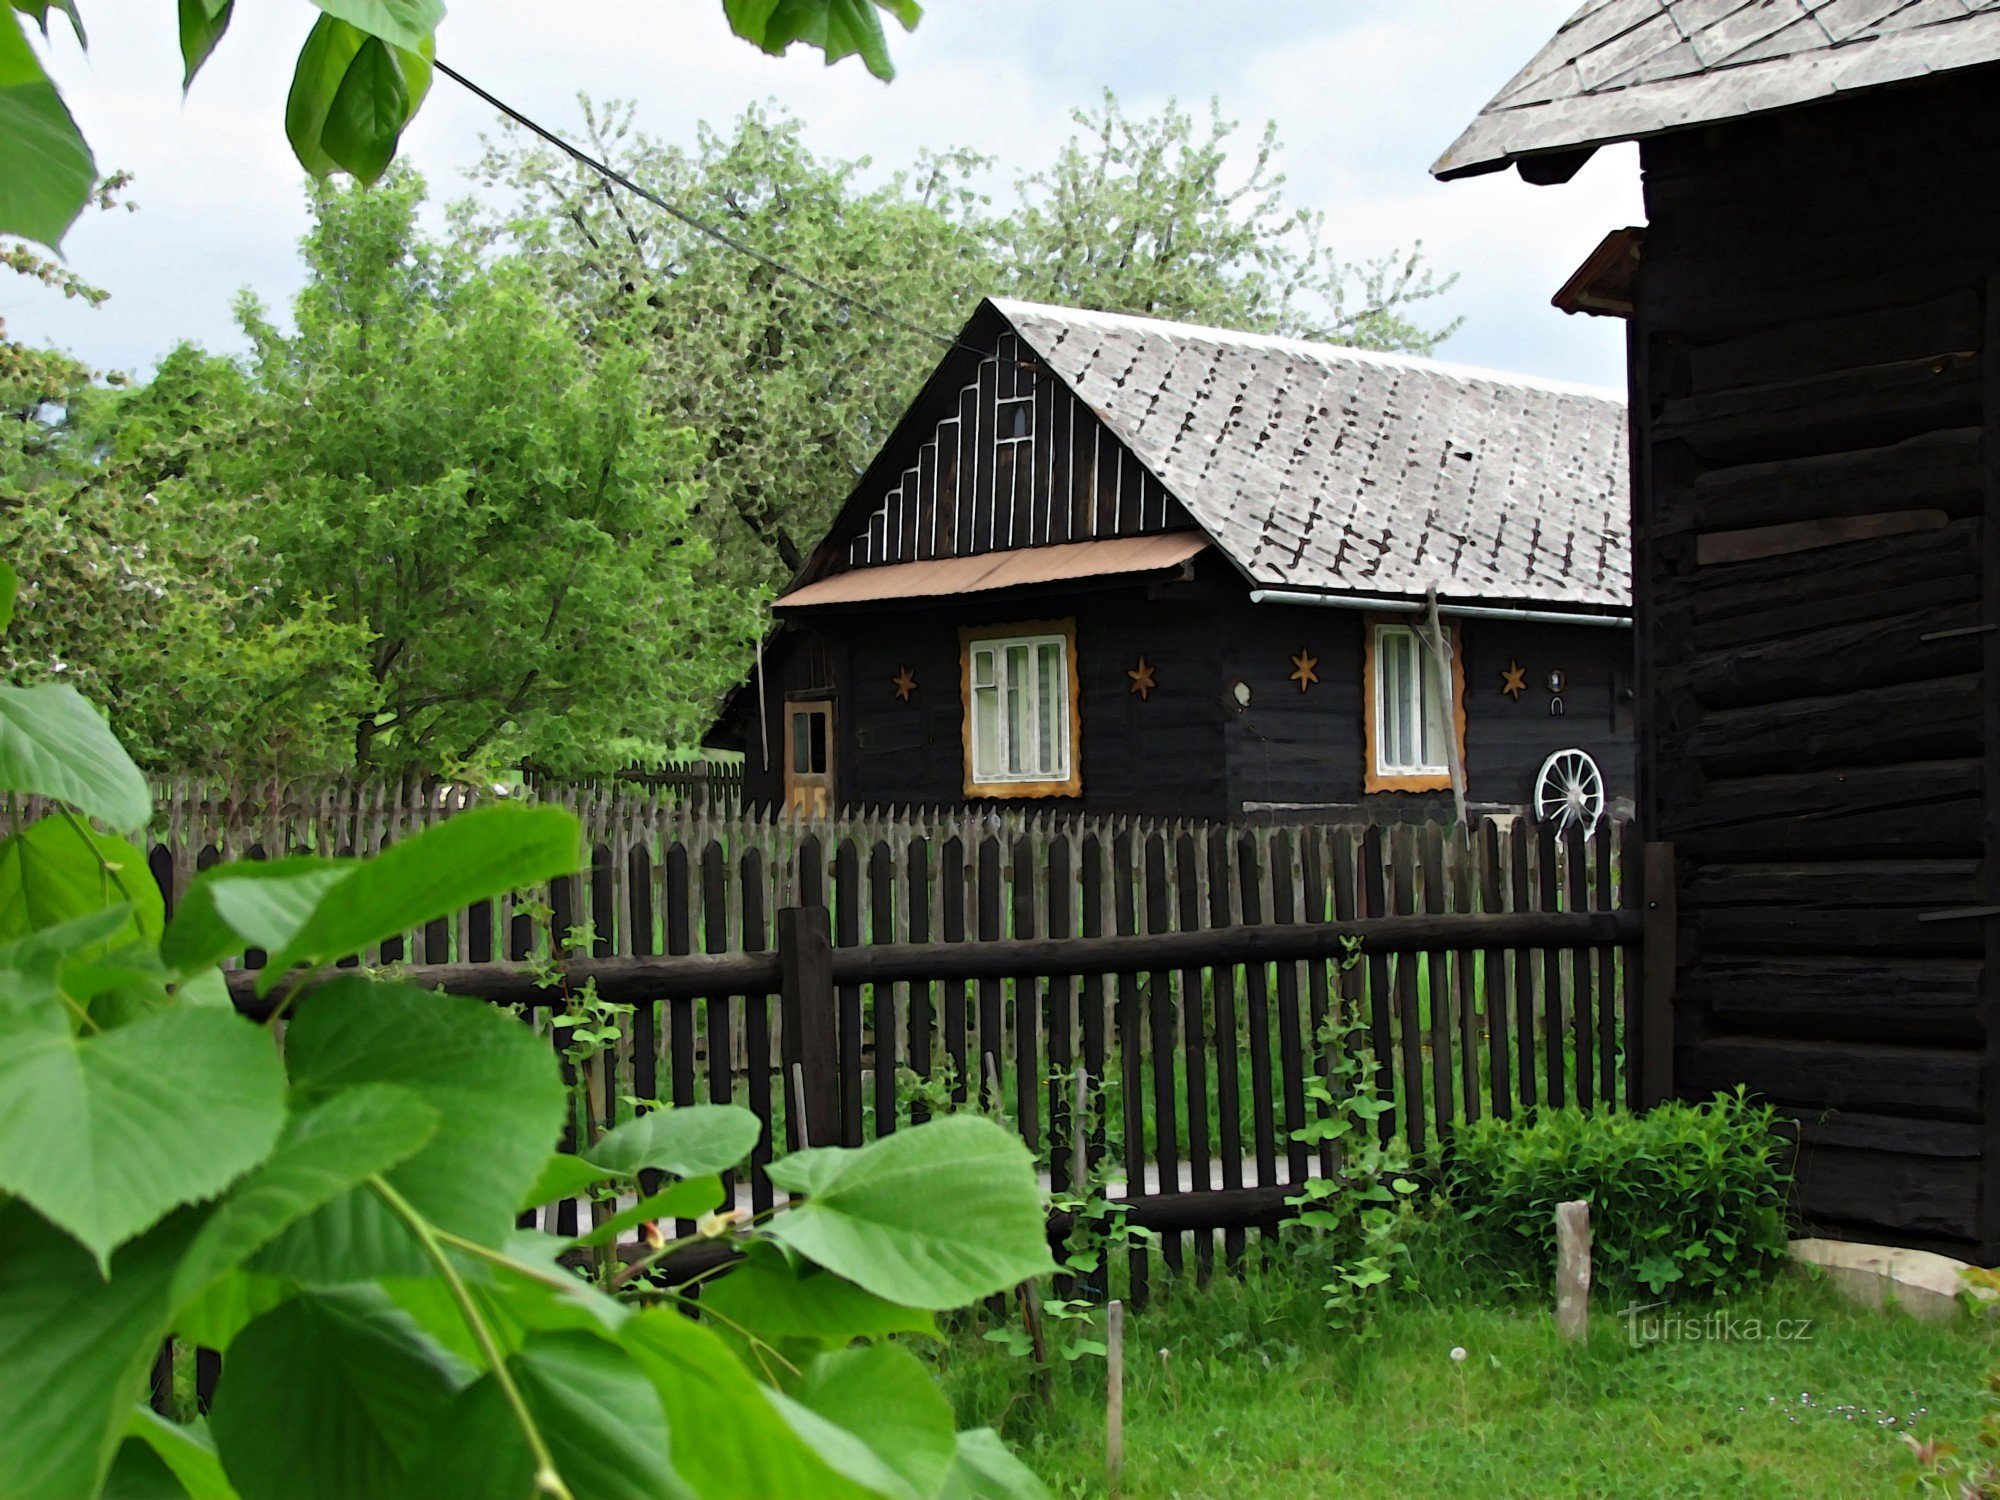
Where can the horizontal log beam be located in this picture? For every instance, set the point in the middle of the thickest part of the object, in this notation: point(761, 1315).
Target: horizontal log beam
point(635, 980)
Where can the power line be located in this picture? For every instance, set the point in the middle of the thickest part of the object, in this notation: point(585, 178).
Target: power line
point(612, 174)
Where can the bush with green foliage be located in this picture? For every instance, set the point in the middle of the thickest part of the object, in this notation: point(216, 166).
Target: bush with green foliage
point(332, 1203)
point(1685, 1198)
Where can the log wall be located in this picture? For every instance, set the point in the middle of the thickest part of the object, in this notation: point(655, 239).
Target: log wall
point(1813, 481)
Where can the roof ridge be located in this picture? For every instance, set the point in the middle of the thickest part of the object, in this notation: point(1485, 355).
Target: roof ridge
point(1011, 307)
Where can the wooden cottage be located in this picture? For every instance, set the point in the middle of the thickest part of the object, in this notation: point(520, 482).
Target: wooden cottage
point(1813, 302)
point(1123, 565)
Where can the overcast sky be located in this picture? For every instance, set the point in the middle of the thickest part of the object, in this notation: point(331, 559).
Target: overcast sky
point(1366, 93)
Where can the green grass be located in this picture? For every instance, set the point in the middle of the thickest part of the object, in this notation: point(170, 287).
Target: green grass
point(1255, 1396)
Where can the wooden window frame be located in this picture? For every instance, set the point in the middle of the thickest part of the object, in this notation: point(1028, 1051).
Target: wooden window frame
point(1374, 779)
point(970, 636)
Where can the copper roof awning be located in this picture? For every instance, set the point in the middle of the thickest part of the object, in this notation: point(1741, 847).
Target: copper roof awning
point(983, 572)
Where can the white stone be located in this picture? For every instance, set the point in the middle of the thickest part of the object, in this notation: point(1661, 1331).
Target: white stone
point(1921, 1283)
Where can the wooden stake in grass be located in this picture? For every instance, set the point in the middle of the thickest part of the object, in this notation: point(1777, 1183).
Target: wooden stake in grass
point(1114, 1395)
point(1572, 1270)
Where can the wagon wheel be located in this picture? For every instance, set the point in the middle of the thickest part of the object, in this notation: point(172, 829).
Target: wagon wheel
point(1569, 792)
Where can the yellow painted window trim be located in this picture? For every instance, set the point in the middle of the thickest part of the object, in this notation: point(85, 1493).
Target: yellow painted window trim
point(968, 637)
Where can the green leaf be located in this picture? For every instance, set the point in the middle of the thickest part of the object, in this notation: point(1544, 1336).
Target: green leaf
point(402, 23)
point(883, 1395)
point(769, 1297)
point(252, 904)
point(188, 1453)
point(742, 1448)
point(10, 586)
point(840, 28)
point(563, 1176)
point(49, 168)
point(985, 1470)
point(368, 112)
point(493, 1084)
point(57, 870)
point(232, 1303)
point(935, 1216)
point(323, 126)
point(202, 25)
point(325, 1151)
point(693, 1140)
point(40, 9)
point(328, 1397)
point(52, 742)
point(75, 1348)
point(105, 1133)
point(683, 1200)
point(442, 870)
point(593, 1404)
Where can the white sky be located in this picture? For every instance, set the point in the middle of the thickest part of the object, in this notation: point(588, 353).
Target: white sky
point(1366, 94)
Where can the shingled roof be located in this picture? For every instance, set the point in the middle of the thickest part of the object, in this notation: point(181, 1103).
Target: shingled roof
point(1314, 466)
point(1622, 69)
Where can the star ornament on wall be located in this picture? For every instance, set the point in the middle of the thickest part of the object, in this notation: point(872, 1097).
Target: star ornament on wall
point(1305, 668)
point(906, 684)
point(1514, 681)
point(1142, 678)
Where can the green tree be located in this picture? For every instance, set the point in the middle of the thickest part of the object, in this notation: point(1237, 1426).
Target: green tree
point(1155, 216)
point(791, 389)
point(146, 591)
point(440, 460)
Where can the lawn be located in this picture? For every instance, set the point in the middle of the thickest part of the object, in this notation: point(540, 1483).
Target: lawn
point(1241, 1390)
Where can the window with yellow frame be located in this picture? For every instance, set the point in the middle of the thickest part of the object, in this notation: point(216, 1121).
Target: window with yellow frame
point(1405, 722)
point(1023, 728)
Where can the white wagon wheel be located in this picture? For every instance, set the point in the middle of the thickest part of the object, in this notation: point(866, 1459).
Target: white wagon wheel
point(1569, 792)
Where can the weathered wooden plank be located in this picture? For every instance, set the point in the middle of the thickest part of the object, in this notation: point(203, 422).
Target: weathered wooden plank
point(1941, 1082)
point(1160, 1026)
point(1939, 468)
point(1903, 1194)
point(1228, 1100)
point(884, 1028)
point(1131, 1066)
point(1841, 340)
point(1291, 1048)
point(848, 902)
point(1257, 1015)
point(1922, 809)
point(1843, 410)
point(1821, 996)
point(1937, 719)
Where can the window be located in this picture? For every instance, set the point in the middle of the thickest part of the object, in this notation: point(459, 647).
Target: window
point(1407, 718)
point(1022, 732)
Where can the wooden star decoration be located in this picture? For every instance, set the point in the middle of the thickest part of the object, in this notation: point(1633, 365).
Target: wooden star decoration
point(1142, 678)
point(906, 683)
point(1514, 681)
point(1304, 668)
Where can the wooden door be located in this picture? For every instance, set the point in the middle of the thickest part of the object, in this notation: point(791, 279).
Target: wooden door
point(809, 758)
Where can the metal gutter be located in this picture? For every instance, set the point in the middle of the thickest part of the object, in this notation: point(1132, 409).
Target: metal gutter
point(1416, 606)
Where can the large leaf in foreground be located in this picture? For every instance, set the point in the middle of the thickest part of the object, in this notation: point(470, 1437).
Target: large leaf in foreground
point(466, 858)
point(727, 1438)
point(985, 1470)
point(106, 1132)
point(55, 871)
point(329, 1397)
point(597, 1410)
point(766, 1298)
point(326, 1151)
point(52, 742)
point(493, 1085)
point(49, 168)
point(884, 1396)
point(74, 1348)
point(692, 1140)
point(252, 904)
point(187, 1453)
point(876, 1215)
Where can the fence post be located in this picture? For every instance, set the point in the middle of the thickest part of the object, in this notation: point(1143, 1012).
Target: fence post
point(1656, 968)
point(810, 1036)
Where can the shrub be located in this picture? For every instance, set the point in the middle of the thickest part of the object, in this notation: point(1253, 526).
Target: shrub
point(1686, 1198)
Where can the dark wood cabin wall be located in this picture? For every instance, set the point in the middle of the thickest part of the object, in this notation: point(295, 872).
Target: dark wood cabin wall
point(967, 488)
point(1810, 353)
point(1160, 755)
point(1306, 750)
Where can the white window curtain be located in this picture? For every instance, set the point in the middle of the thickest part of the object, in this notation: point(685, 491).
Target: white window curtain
point(1020, 709)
